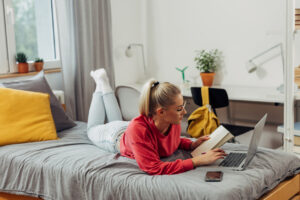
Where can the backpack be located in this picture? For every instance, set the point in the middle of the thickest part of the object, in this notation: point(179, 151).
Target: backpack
point(203, 120)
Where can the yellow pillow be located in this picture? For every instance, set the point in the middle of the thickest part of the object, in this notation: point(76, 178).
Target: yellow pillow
point(25, 117)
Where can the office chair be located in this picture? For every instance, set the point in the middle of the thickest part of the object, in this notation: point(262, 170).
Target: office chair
point(218, 98)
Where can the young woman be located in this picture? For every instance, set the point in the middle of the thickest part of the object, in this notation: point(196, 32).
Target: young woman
point(153, 134)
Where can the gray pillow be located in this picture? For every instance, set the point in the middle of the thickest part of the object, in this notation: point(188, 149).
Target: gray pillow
point(38, 83)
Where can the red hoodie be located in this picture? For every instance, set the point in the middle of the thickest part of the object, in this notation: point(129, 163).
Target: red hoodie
point(143, 142)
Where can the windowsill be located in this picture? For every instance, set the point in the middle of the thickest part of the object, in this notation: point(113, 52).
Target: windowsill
point(14, 75)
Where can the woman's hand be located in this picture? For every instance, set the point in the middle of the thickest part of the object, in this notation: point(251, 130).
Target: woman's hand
point(209, 157)
point(200, 140)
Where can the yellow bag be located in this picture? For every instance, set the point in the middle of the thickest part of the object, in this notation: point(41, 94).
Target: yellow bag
point(203, 120)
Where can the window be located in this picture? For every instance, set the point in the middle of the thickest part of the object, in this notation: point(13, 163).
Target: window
point(28, 26)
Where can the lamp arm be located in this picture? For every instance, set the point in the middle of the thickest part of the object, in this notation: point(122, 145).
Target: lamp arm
point(266, 51)
point(252, 66)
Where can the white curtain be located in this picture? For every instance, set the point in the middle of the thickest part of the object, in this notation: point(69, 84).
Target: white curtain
point(85, 37)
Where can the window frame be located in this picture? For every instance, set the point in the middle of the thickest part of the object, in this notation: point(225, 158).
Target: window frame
point(9, 49)
point(3, 47)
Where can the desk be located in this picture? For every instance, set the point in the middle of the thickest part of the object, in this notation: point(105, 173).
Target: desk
point(240, 93)
point(250, 93)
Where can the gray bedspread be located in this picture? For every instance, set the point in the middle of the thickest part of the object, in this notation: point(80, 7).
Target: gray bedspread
point(73, 168)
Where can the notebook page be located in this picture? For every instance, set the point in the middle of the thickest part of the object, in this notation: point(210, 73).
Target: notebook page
point(214, 140)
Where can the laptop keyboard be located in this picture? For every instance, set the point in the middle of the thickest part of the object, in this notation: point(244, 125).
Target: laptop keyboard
point(233, 160)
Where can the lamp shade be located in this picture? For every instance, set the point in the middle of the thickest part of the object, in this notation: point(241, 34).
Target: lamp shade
point(251, 67)
point(128, 51)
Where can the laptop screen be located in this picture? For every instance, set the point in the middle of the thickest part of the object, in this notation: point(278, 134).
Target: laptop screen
point(255, 139)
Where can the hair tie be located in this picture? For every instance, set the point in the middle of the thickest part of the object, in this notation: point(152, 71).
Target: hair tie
point(155, 84)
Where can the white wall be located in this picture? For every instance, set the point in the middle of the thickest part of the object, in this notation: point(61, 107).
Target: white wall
point(172, 30)
point(240, 29)
point(128, 24)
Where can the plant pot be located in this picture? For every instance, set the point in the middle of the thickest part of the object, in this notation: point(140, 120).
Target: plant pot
point(207, 78)
point(38, 66)
point(23, 67)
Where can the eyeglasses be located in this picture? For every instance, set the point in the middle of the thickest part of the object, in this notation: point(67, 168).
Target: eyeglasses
point(181, 108)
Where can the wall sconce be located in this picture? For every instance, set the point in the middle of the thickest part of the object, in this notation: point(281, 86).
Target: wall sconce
point(252, 66)
point(129, 53)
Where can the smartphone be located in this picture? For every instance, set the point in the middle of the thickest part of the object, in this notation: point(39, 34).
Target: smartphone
point(213, 176)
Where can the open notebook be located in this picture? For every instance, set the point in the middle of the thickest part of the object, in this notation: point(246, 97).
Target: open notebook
point(217, 138)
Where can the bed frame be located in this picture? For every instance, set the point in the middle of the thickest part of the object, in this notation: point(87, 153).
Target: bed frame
point(6, 196)
point(287, 189)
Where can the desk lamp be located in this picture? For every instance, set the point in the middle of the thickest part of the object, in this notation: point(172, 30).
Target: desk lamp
point(252, 66)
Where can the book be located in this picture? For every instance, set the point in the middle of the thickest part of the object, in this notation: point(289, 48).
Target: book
point(217, 138)
point(297, 17)
point(296, 134)
point(297, 11)
point(297, 140)
point(297, 71)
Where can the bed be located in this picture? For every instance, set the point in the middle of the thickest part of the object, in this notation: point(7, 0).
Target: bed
point(73, 168)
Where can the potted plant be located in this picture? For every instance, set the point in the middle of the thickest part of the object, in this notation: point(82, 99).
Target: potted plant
point(38, 64)
point(206, 63)
point(21, 58)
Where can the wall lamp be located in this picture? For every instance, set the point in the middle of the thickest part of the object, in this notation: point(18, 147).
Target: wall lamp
point(129, 53)
point(252, 66)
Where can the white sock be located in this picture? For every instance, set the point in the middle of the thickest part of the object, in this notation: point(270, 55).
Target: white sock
point(98, 83)
point(102, 82)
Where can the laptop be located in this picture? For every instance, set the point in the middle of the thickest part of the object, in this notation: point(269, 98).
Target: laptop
point(239, 160)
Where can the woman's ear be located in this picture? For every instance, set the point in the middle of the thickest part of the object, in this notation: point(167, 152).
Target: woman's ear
point(160, 111)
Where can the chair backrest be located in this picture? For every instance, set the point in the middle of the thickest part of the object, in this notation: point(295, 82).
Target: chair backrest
point(218, 97)
point(128, 98)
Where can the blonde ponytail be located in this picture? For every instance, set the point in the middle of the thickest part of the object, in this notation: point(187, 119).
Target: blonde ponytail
point(156, 94)
point(145, 98)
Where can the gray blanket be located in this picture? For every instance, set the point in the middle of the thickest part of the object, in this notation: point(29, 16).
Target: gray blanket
point(73, 168)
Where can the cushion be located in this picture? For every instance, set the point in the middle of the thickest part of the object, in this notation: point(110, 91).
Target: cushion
point(25, 117)
point(39, 83)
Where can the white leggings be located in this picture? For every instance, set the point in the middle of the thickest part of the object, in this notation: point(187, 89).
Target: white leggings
point(105, 136)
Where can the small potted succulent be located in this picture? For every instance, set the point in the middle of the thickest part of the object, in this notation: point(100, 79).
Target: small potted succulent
point(38, 64)
point(207, 63)
point(21, 58)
